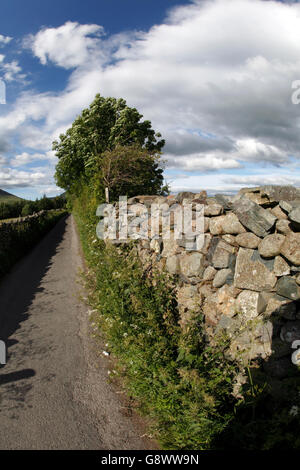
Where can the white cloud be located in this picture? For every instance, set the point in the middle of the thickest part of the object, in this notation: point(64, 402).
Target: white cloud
point(4, 39)
point(68, 46)
point(10, 178)
point(252, 150)
point(202, 162)
point(11, 71)
point(25, 158)
point(229, 184)
point(215, 78)
point(259, 180)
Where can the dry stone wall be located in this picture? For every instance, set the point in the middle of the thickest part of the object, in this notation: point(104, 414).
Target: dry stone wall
point(245, 279)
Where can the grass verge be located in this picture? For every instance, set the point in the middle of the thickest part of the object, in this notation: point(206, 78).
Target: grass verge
point(181, 384)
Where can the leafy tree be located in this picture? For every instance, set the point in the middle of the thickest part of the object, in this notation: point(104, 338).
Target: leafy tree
point(23, 208)
point(108, 122)
point(129, 170)
point(28, 208)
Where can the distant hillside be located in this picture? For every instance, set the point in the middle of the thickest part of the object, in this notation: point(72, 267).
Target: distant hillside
point(7, 197)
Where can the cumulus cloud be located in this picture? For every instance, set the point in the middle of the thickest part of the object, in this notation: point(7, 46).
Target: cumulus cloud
point(4, 39)
point(259, 180)
point(70, 45)
point(11, 70)
point(11, 178)
point(24, 158)
point(215, 78)
point(202, 162)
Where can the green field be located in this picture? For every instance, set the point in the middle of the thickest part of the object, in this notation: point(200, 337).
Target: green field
point(7, 197)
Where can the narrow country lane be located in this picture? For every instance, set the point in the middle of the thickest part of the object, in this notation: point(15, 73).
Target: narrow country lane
point(54, 392)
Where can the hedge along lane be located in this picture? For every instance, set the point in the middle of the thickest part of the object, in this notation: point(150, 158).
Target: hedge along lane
point(18, 237)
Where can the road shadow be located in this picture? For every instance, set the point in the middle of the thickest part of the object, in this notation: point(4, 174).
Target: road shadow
point(15, 376)
point(20, 286)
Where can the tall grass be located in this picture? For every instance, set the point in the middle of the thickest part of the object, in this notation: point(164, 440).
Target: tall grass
point(181, 383)
point(178, 381)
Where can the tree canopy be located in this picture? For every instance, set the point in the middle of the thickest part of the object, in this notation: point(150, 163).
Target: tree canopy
point(129, 170)
point(106, 124)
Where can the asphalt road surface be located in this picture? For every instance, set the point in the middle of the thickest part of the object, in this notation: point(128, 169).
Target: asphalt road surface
point(54, 388)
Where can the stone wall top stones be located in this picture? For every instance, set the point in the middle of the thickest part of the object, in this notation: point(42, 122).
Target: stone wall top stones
point(247, 272)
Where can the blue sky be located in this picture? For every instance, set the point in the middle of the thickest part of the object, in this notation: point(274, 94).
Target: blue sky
point(214, 77)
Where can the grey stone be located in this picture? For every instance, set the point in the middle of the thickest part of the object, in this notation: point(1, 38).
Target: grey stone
point(295, 269)
point(255, 189)
point(213, 210)
point(206, 224)
point(287, 287)
point(288, 206)
point(225, 201)
point(248, 240)
point(172, 264)
point(265, 332)
point(232, 262)
point(285, 206)
point(251, 274)
point(271, 245)
point(247, 302)
point(282, 307)
point(283, 226)
point(252, 216)
point(263, 300)
point(268, 263)
point(254, 194)
point(212, 248)
point(188, 297)
point(216, 225)
point(278, 212)
point(232, 225)
point(258, 199)
point(185, 242)
point(222, 254)
point(204, 246)
point(230, 239)
point(184, 195)
point(291, 248)
point(221, 277)
point(281, 268)
point(230, 325)
point(226, 224)
point(192, 264)
point(294, 216)
point(156, 245)
point(169, 247)
point(280, 192)
point(209, 273)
